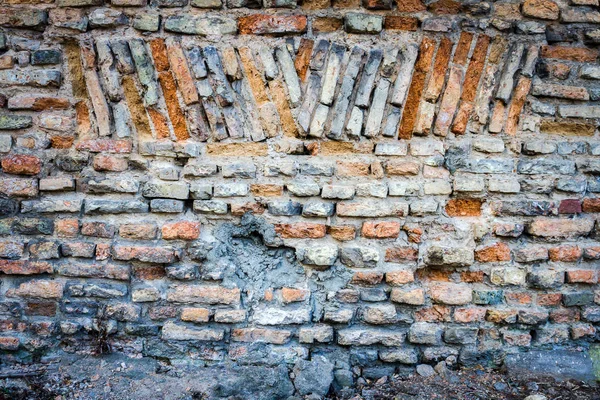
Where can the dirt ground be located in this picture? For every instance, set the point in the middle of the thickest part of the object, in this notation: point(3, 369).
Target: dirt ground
point(138, 381)
point(472, 384)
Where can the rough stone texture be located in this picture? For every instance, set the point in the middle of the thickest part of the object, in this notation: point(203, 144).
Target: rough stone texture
point(306, 187)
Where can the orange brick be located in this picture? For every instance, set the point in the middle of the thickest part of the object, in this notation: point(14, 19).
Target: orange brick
point(301, 230)
point(303, 57)
point(565, 253)
point(579, 54)
point(326, 24)
point(184, 230)
point(159, 54)
point(494, 253)
point(263, 24)
point(67, 228)
point(591, 205)
point(413, 99)
point(395, 278)
point(464, 207)
point(381, 230)
point(342, 233)
point(167, 83)
point(291, 295)
point(472, 276)
point(398, 23)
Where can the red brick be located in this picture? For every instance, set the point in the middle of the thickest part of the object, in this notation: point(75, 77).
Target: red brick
point(184, 230)
point(464, 207)
point(591, 205)
point(67, 228)
point(367, 278)
point(159, 255)
point(263, 24)
point(564, 315)
point(252, 335)
point(582, 276)
point(301, 230)
point(41, 308)
point(98, 229)
point(549, 299)
point(24, 267)
point(241, 209)
point(435, 313)
point(9, 343)
point(105, 146)
point(44, 289)
point(450, 293)
point(580, 330)
point(381, 230)
point(591, 253)
point(138, 231)
point(21, 164)
point(570, 206)
point(517, 298)
point(149, 273)
point(565, 253)
point(104, 162)
point(516, 338)
point(102, 251)
point(493, 253)
point(401, 254)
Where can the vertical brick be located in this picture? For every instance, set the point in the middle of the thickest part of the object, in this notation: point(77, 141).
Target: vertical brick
point(411, 106)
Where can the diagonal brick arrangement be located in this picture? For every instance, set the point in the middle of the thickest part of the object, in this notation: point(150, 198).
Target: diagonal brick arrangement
point(381, 184)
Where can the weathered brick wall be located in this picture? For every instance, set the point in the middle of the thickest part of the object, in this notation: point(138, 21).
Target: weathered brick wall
point(383, 184)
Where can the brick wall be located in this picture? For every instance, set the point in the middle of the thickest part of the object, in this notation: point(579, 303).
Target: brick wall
point(384, 184)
